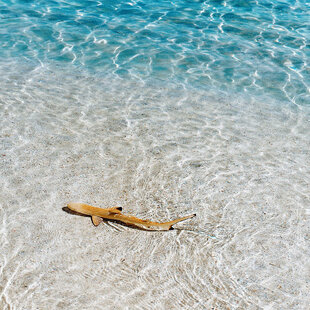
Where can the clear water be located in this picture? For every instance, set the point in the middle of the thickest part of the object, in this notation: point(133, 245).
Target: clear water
point(165, 108)
point(242, 46)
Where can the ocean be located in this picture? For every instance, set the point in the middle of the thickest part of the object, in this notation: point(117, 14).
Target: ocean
point(164, 108)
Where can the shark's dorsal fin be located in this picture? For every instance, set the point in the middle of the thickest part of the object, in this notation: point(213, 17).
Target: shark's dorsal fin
point(96, 220)
point(115, 210)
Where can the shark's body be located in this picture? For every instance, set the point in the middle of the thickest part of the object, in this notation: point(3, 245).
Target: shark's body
point(97, 214)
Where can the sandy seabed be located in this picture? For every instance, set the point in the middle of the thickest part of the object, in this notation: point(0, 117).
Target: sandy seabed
point(242, 165)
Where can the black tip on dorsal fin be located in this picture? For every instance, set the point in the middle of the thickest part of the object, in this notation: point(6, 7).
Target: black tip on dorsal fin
point(115, 210)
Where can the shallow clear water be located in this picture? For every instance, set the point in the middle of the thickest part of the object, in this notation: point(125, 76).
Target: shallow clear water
point(166, 109)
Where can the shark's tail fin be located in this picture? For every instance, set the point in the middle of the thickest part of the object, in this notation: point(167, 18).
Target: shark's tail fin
point(168, 225)
point(181, 219)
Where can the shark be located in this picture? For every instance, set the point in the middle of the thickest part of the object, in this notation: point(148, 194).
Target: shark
point(115, 213)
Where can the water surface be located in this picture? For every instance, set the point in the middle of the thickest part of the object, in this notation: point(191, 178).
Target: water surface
point(165, 108)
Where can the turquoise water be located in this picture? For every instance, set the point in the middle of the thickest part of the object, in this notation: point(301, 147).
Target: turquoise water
point(240, 46)
point(163, 108)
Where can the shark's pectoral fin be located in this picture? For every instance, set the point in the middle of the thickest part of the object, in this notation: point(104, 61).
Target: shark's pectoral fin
point(96, 220)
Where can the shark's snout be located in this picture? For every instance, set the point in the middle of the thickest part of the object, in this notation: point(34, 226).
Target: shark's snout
point(73, 206)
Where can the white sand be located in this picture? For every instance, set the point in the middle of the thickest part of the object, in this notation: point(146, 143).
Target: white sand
point(243, 166)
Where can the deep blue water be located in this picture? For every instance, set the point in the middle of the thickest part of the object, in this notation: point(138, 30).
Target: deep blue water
point(257, 47)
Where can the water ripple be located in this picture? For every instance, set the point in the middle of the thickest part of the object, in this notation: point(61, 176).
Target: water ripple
point(207, 44)
point(241, 165)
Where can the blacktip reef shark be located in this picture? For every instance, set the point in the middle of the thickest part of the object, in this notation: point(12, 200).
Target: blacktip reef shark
point(98, 214)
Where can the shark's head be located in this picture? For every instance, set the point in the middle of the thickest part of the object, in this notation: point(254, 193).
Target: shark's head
point(74, 206)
